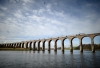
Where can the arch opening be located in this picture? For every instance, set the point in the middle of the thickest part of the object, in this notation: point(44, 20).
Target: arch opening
point(75, 44)
point(36, 45)
point(66, 44)
point(40, 45)
point(86, 43)
point(46, 45)
point(58, 44)
point(20, 45)
point(17, 45)
point(27, 45)
point(30, 45)
point(51, 45)
point(23, 45)
point(97, 42)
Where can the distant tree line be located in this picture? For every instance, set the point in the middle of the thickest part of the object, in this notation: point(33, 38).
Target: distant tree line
point(88, 47)
point(85, 47)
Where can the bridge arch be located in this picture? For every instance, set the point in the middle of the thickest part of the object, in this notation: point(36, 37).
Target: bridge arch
point(58, 42)
point(23, 45)
point(34, 46)
point(75, 43)
point(40, 45)
point(97, 42)
point(12, 45)
point(79, 36)
point(30, 45)
point(27, 45)
point(55, 43)
point(20, 45)
point(66, 43)
point(9, 45)
point(45, 45)
point(50, 45)
point(86, 42)
point(97, 39)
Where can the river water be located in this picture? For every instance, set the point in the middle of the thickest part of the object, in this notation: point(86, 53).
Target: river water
point(52, 59)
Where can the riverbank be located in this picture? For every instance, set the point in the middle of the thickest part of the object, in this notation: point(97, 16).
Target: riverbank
point(16, 49)
point(19, 49)
point(85, 47)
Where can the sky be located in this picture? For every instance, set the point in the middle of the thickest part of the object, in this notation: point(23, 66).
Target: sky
point(22, 20)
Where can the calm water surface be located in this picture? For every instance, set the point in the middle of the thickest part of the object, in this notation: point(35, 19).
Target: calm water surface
point(59, 59)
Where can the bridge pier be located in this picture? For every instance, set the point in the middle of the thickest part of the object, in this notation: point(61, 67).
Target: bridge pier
point(19, 45)
point(49, 45)
point(55, 45)
point(30, 44)
point(34, 46)
point(12, 45)
point(43, 46)
point(92, 45)
point(38, 46)
point(15, 45)
point(4, 45)
point(81, 46)
point(62, 42)
point(71, 46)
point(22, 45)
point(7, 45)
point(26, 45)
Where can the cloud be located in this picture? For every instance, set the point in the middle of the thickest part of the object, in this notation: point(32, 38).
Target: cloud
point(27, 1)
point(18, 14)
point(37, 21)
point(2, 37)
point(3, 8)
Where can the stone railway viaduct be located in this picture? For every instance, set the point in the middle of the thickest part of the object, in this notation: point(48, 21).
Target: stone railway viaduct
point(24, 44)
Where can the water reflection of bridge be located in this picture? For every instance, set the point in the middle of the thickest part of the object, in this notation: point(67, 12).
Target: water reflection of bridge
point(24, 44)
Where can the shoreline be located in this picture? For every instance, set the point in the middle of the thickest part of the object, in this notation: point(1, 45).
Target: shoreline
point(24, 49)
point(14, 49)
